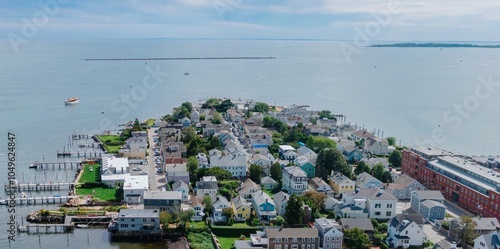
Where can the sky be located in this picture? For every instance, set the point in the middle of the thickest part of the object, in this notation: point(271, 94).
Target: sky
point(378, 20)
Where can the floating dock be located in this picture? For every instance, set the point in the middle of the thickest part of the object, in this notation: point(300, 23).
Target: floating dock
point(56, 165)
point(69, 224)
point(38, 187)
point(40, 200)
point(79, 154)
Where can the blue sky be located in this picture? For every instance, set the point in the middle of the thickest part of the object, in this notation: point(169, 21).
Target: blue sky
point(416, 20)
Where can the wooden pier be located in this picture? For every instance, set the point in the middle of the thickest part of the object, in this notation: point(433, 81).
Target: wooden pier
point(41, 200)
point(70, 222)
point(45, 228)
point(56, 165)
point(89, 145)
point(38, 187)
point(80, 136)
point(79, 154)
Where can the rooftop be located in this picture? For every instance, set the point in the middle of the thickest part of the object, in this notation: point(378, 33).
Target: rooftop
point(295, 171)
point(430, 152)
point(429, 194)
point(292, 233)
point(141, 213)
point(364, 224)
point(136, 182)
point(163, 195)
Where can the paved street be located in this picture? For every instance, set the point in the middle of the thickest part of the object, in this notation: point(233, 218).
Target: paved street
point(156, 181)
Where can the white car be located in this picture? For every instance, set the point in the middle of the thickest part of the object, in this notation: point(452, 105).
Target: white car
point(143, 173)
point(136, 169)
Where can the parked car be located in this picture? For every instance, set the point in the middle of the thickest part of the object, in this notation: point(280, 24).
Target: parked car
point(137, 169)
point(159, 171)
point(143, 173)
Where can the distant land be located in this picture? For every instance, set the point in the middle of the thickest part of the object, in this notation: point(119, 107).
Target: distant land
point(434, 45)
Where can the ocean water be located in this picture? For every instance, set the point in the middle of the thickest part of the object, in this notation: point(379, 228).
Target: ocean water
point(413, 94)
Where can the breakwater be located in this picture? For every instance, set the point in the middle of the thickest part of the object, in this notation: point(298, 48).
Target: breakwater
point(185, 58)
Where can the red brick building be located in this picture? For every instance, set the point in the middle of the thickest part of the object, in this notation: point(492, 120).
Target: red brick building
point(460, 180)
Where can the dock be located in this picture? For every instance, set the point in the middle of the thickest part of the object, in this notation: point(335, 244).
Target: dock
point(45, 228)
point(41, 200)
point(39, 187)
point(69, 224)
point(56, 165)
point(79, 154)
point(80, 136)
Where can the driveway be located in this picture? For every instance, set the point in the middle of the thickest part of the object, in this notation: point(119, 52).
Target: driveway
point(432, 234)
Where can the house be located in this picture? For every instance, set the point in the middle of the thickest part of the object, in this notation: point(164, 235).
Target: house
point(331, 203)
point(317, 184)
point(352, 154)
point(405, 230)
point(378, 203)
point(268, 182)
point(263, 206)
point(194, 117)
point(341, 183)
point(134, 188)
point(376, 146)
point(488, 241)
point(344, 143)
point(197, 206)
point(236, 164)
point(163, 200)
point(241, 208)
point(186, 122)
point(331, 124)
point(182, 187)
point(176, 171)
point(206, 186)
point(136, 145)
point(376, 160)
point(294, 180)
point(171, 148)
point(114, 170)
point(419, 196)
point(483, 225)
point(219, 204)
point(247, 188)
point(281, 201)
point(293, 238)
point(202, 161)
point(363, 224)
point(139, 220)
point(287, 152)
point(402, 186)
point(365, 180)
point(306, 165)
point(310, 154)
point(361, 135)
point(329, 234)
point(264, 161)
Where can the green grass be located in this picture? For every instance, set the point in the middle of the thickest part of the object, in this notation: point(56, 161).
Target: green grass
point(114, 143)
point(235, 225)
point(197, 224)
point(88, 176)
point(150, 122)
point(268, 192)
point(103, 194)
point(227, 242)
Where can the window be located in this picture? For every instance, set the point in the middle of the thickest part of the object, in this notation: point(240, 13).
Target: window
point(377, 205)
point(133, 220)
point(122, 220)
point(277, 246)
point(389, 205)
point(152, 220)
point(144, 220)
point(133, 225)
point(377, 213)
point(286, 239)
point(388, 213)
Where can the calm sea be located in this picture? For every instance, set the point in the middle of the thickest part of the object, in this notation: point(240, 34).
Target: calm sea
point(409, 93)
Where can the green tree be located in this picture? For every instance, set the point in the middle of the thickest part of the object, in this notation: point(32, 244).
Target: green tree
point(294, 211)
point(211, 103)
point(228, 212)
point(315, 200)
point(331, 159)
point(188, 106)
point(466, 230)
point(255, 173)
point(317, 144)
point(361, 167)
point(395, 158)
point(391, 141)
point(216, 118)
point(279, 221)
point(267, 122)
point(224, 106)
point(386, 177)
point(356, 238)
point(215, 143)
point(165, 217)
point(219, 173)
point(192, 165)
point(185, 216)
point(275, 171)
point(137, 125)
point(207, 202)
point(378, 171)
point(261, 107)
point(326, 114)
point(189, 134)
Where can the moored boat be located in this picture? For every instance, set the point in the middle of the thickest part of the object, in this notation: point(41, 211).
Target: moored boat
point(71, 101)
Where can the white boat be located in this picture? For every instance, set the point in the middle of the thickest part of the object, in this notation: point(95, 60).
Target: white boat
point(82, 226)
point(3, 202)
point(71, 101)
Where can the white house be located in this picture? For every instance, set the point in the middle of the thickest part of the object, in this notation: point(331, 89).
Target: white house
point(318, 185)
point(281, 201)
point(138, 220)
point(379, 204)
point(294, 180)
point(182, 187)
point(376, 146)
point(310, 154)
point(207, 186)
point(406, 230)
point(247, 188)
point(236, 164)
point(287, 152)
point(134, 188)
point(365, 180)
point(198, 208)
point(488, 241)
point(219, 203)
point(202, 160)
point(136, 145)
point(114, 170)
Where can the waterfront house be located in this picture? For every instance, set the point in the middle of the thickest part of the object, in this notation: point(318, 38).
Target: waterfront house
point(365, 180)
point(206, 186)
point(361, 223)
point(405, 230)
point(488, 241)
point(139, 220)
point(182, 187)
point(352, 154)
point(341, 183)
point(329, 233)
point(318, 185)
point(402, 186)
point(247, 188)
point(378, 203)
point(136, 146)
point(361, 135)
point(294, 180)
point(163, 200)
point(236, 164)
point(134, 188)
point(281, 201)
point(268, 182)
point(194, 117)
point(198, 208)
point(376, 146)
point(219, 204)
point(306, 165)
point(430, 210)
point(331, 124)
point(114, 170)
point(241, 208)
point(263, 206)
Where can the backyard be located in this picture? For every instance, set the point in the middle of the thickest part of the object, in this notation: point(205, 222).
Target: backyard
point(111, 143)
point(90, 184)
point(90, 176)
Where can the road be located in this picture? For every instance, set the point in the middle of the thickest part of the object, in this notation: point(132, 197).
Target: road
point(156, 181)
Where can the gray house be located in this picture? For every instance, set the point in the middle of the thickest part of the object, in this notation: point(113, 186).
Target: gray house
point(402, 187)
point(432, 210)
point(429, 203)
point(163, 200)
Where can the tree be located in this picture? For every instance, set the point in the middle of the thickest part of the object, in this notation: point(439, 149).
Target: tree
point(331, 159)
point(188, 106)
point(466, 230)
point(361, 167)
point(165, 217)
point(216, 118)
point(255, 173)
point(219, 173)
point(228, 212)
point(261, 107)
point(391, 141)
point(189, 134)
point(378, 170)
point(326, 114)
point(315, 200)
point(317, 144)
point(294, 211)
point(279, 221)
point(275, 171)
point(137, 125)
point(356, 238)
point(211, 103)
point(395, 158)
point(207, 202)
point(185, 216)
point(215, 143)
point(192, 165)
point(224, 106)
point(386, 177)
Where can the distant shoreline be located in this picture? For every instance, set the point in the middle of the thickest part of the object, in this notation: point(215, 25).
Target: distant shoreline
point(433, 45)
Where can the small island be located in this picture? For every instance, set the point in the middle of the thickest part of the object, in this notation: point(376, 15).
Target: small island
point(433, 45)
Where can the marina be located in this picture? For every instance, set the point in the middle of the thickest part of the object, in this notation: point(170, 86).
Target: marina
point(39, 187)
point(40, 200)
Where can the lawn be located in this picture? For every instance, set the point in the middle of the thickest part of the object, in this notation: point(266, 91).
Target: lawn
point(227, 242)
point(88, 176)
point(198, 224)
point(150, 122)
point(112, 143)
point(268, 192)
point(235, 225)
point(103, 194)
